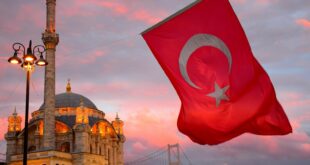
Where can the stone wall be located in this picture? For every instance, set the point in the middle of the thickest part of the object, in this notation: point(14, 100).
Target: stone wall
point(89, 159)
point(45, 157)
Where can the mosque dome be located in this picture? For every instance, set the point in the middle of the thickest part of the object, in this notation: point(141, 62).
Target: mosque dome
point(70, 107)
point(72, 100)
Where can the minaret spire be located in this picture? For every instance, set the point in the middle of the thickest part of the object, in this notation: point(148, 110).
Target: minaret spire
point(15, 113)
point(117, 118)
point(68, 87)
point(50, 39)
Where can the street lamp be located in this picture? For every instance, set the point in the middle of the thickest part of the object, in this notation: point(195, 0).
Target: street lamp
point(28, 62)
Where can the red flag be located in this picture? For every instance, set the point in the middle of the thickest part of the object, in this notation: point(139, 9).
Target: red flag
point(223, 89)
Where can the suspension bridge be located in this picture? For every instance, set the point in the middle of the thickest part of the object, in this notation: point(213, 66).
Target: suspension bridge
point(170, 155)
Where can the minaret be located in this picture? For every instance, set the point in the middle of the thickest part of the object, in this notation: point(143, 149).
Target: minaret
point(50, 40)
point(81, 114)
point(14, 128)
point(82, 130)
point(118, 125)
point(68, 87)
point(15, 122)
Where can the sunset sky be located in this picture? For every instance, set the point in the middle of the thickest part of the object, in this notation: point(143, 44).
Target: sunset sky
point(101, 51)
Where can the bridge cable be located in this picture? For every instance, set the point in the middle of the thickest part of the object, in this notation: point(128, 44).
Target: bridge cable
point(148, 156)
point(186, 157)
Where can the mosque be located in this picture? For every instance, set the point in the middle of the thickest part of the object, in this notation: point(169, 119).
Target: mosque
point(68, 128)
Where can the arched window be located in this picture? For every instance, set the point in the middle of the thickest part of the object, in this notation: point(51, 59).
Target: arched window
point(61, 127)
point(65, 147)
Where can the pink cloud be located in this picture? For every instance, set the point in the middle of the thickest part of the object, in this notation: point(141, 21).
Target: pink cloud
point(120, 9)
point(74, 9)
point(137, 146)
point(298, 121)
point(143, 95)
point(3, 127)
point(259, 2)
point(92, 57)
point(296, 124)
point(154, 99)
point(133, 13)
point(276, 146)
point(270, 143)
point(35, 19)
point(69, 57)
point(11, 26)
point(306, 147)
point(298, 103)
point(303, 22)
point(144, 16)
point(91, 88)
point(264, 1)
point(158, 127)
point(239, 1)
point(3, 64)
point(114, 6)
point(64, 59)
point(294, 100)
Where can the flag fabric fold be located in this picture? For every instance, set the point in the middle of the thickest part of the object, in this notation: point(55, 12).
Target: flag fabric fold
point(223, 89)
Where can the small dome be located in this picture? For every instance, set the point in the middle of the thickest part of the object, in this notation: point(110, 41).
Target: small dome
point(70, 99)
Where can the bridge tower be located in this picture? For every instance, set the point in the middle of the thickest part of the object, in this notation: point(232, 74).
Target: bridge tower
point(174, 154)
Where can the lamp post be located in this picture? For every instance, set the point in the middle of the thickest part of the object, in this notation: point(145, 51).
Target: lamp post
point(28, 62)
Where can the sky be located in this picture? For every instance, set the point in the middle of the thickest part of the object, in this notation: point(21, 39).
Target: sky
point(101, 51)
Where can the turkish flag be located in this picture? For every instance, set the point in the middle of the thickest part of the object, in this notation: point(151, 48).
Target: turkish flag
point(224, 91)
